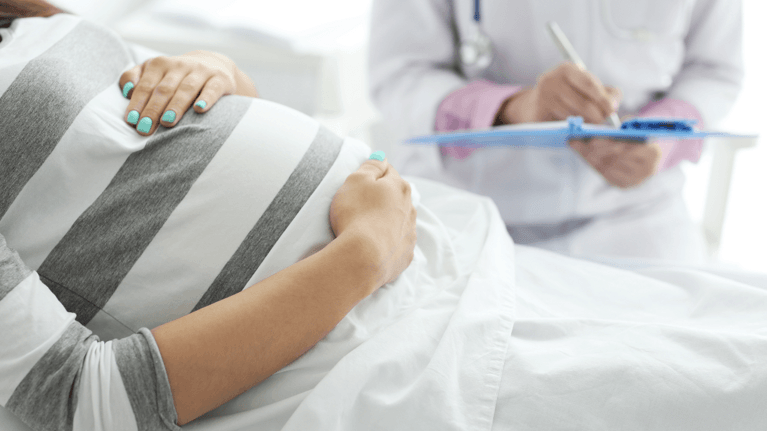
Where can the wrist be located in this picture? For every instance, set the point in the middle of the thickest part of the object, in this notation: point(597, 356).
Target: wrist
point(362, 256)
point(516, 109)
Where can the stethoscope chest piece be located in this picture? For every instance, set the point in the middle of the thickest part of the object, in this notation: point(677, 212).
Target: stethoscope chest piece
point(477, 51)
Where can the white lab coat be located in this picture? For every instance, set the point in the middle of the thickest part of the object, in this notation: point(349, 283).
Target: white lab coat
point(693, 54)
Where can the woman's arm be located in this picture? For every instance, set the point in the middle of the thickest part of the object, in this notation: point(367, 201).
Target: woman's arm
point(222, 350)
point(211, 355)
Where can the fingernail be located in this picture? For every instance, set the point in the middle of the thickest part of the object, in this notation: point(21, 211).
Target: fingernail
point(616, 104)
point(169, 116)
point(126, 89)
point(201, 104)
point(378, 155)
point(144, 125)
point(133, 117)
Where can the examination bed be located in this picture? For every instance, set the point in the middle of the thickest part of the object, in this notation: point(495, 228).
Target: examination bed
point(480, 334)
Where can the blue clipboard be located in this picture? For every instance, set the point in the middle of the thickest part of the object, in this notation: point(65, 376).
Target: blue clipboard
point(557, 134)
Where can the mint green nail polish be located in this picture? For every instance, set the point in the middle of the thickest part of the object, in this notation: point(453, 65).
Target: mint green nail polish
point(133, 117)
point(169, 116)
point(127, 88)
point(378, 155)
point(201, 104)
point(144, 125)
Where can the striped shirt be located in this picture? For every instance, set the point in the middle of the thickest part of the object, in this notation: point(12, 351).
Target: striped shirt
point(104, 233)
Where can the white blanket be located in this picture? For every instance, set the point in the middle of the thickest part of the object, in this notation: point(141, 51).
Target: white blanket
point(659, 348)
point(424, 352)
point(592, 347)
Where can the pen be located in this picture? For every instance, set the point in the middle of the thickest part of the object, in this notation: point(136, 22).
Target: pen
point(567, 50)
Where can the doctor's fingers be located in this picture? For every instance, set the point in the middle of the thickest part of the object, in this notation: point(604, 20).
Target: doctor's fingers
point(590, 88)
point(625, 174)
point(634, 165)
point(572, 102)
point(599, 153)
point(643, 157)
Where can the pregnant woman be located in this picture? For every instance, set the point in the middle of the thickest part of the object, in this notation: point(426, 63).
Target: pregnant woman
point(131, 232)
point(235, 266)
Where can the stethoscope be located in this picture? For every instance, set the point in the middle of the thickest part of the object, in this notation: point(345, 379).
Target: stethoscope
point(477, 49)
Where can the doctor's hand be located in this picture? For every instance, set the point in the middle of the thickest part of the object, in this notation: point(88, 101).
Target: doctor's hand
point(622, 163)
point(559, 93)
point(163, 88)
point(374, 206)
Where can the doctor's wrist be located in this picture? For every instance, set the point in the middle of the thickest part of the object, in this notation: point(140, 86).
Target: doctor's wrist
point(518, 108)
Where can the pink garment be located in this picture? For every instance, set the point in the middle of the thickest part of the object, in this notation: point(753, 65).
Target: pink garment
point(476, 106)
point(673, 151)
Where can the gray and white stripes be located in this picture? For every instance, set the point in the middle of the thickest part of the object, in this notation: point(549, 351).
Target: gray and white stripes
point(131, 232)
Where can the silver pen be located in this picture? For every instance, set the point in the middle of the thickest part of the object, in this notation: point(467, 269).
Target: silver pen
point(567, 50)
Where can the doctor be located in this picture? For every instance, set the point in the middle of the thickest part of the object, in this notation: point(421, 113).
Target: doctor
point(441, 65)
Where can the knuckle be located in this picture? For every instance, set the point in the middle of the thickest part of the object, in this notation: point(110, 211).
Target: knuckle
point(159, 61)
point(215, 86)
point(143, 87)
point(165, 90)
point(188, 87)
point(356, 176)
point(151, 110)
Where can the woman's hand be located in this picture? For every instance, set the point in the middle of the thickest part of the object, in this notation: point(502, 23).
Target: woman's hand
point(559, 93)
point(621, 163)
point(374, 204)
point(162, 89)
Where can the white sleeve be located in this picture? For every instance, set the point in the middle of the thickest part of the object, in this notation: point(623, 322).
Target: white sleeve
point(413, 61)
point(55, 374)
point(712, 72)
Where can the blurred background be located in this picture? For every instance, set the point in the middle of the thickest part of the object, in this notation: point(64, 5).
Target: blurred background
point(311, 55)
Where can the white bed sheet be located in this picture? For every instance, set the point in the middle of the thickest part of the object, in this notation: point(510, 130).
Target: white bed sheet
point(479, 334)
point(657, 348)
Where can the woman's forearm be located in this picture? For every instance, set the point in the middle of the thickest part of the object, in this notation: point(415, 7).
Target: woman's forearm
point(222, 350)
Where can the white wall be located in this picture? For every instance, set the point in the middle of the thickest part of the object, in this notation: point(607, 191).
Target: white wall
point(744, 239)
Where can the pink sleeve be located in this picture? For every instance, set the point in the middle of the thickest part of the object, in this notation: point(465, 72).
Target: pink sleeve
point(674, 151)
point(474, 106)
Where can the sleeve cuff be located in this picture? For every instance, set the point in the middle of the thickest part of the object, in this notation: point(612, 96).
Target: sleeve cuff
point(149, 393)
point(474, 106)
point(675, 151)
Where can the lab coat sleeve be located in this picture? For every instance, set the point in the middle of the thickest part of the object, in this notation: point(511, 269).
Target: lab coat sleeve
point(413, 61)
point(712, 72)
point(55, 374)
